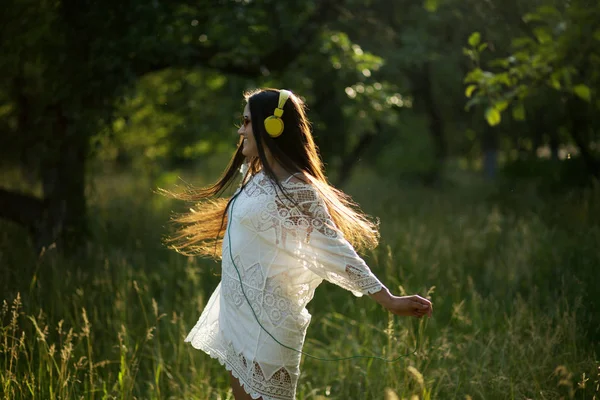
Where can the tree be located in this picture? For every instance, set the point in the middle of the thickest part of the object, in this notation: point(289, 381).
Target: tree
point(64, 79)
point(560, 52)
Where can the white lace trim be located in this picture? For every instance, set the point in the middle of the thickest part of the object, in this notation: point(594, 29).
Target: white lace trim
point(281, 385)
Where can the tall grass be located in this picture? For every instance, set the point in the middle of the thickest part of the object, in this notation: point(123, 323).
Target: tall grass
point(514, 289)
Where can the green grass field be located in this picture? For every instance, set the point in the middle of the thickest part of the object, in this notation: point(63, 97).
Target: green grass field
point(515, 283)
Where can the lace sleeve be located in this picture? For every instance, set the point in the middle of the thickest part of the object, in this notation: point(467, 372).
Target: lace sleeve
point(323, 248)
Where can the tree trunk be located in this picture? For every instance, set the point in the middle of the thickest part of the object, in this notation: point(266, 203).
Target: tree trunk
point(489, 144)
point(554, 144)
point(60, 217)
point(579, 127)
point(63, 183)
point(424, 94)
point(537, 139)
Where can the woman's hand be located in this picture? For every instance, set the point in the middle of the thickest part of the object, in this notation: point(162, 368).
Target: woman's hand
point(406, 306)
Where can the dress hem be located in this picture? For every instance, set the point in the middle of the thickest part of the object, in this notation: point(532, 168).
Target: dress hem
point(214, 355)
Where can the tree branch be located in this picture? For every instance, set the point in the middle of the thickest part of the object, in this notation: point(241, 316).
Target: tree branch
point(276, 60)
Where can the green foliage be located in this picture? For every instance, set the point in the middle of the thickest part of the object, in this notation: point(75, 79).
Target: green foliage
point(431, 5)
point(518, 111)
point(492, 115)
point(469, 90)
point(163, 89)
point(171, 117)
point(556, 51)
point(583, 91)
point(475, 39)
point(547, 77)
point(79, 64)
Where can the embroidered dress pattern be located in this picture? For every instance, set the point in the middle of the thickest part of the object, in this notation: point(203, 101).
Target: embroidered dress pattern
point(284, 245)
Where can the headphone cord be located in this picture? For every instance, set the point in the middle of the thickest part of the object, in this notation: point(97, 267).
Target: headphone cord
point(274, 338)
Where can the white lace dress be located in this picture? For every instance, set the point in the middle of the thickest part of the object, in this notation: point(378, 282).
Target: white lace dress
point(283, 252)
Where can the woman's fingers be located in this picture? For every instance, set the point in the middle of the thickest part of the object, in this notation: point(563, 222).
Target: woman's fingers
point(423, 305)
point(415, 306)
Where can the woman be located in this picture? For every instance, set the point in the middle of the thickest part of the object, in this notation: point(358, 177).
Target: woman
point(282, 232)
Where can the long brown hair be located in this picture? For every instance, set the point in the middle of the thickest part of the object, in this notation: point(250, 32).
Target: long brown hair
point(201, 231)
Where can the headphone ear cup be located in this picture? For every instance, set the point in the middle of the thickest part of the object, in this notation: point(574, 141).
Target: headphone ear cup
point(274, 126)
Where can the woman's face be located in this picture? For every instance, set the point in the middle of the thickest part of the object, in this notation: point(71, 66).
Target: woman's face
point(249, 148)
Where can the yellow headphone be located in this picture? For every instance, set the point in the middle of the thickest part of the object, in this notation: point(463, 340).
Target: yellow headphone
point(274, 123)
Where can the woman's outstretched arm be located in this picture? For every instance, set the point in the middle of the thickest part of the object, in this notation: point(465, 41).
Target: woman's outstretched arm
point(406, 306)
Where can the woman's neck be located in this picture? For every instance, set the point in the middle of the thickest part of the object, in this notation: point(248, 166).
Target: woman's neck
point(280, 172)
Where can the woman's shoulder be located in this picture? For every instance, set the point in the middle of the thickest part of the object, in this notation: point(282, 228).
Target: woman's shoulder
point(296, 187)
point(297, 179)
point(300, 182)
point(292, 183)
point(302, 190)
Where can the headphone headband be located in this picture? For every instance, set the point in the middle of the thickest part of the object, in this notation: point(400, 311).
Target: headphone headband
point(283, 96)
point(274, 123)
